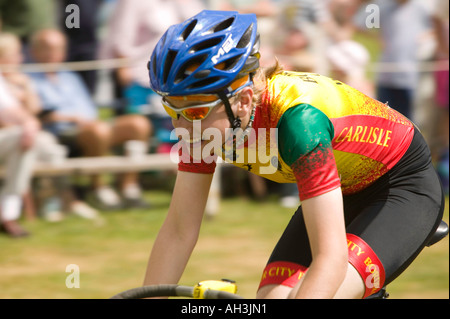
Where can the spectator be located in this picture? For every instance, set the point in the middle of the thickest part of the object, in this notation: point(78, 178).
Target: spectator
point(402, 23)
point(308, 28)
point(348, 63)
point(343, 12)
point(82, 42)
point(18, 131)
point(21, 88)
point(19, 85)
point(440, 134)
point(348, 58)
point(73, 118)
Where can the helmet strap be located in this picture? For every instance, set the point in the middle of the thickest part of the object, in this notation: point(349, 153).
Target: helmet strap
point(231, 145)
point(235, 121)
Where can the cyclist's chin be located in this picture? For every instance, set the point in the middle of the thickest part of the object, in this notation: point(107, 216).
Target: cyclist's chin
point(201, 148)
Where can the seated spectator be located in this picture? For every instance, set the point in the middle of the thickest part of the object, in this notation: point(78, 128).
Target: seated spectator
point(18, 132)
point(20, 87)
point(72, 116)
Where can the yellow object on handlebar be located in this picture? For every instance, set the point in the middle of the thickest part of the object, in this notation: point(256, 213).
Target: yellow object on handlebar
point(218, 285)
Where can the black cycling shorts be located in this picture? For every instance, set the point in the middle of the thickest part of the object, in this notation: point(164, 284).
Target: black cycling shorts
point(395, 216)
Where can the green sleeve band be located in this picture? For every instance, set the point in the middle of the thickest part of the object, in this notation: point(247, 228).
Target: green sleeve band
point(301, 129)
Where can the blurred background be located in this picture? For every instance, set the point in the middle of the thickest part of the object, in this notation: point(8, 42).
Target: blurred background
point(75, 72)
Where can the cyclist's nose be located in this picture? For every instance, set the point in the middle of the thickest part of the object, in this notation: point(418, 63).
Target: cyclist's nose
point(181, 122)
point(185, 126)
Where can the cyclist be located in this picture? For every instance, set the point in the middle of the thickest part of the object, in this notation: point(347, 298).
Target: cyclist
point(370, 197)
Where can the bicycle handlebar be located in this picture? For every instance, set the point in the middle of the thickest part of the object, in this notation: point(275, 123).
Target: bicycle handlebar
point(171, 291)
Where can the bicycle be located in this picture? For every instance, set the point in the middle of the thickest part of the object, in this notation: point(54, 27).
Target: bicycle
point(226, 289)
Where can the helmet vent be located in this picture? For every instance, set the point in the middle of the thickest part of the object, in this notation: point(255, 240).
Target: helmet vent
point(206, 44)
point(189, 67)
point(246, 38)
point(187, 31)
point(223, 25)
point(168, 64)
point(228, 64)
point(204, 82)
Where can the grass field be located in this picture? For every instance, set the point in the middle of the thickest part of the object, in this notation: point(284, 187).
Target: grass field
point(112, 255)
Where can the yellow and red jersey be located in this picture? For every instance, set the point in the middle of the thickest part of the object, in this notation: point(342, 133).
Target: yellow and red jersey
point(328, 135)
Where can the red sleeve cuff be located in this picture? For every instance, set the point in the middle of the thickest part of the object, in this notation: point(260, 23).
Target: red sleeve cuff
point(188, 164)
point(316, 173)
point(203, 168)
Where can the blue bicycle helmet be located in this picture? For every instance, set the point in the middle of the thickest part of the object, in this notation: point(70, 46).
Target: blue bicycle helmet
point(205, 54)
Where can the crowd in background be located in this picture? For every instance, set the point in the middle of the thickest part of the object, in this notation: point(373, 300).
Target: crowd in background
point(395, 51)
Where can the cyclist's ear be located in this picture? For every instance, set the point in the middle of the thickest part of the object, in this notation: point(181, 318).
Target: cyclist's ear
point(245, 102)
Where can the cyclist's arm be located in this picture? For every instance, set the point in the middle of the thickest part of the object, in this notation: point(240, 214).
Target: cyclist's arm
point(324, 219)
point(178, 235)
point(305, 141)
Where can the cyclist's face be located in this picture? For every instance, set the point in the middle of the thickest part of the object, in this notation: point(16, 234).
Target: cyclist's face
point(216, 119)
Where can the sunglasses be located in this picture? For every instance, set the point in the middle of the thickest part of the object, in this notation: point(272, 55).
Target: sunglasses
point(201, 111)
point(190, 113)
